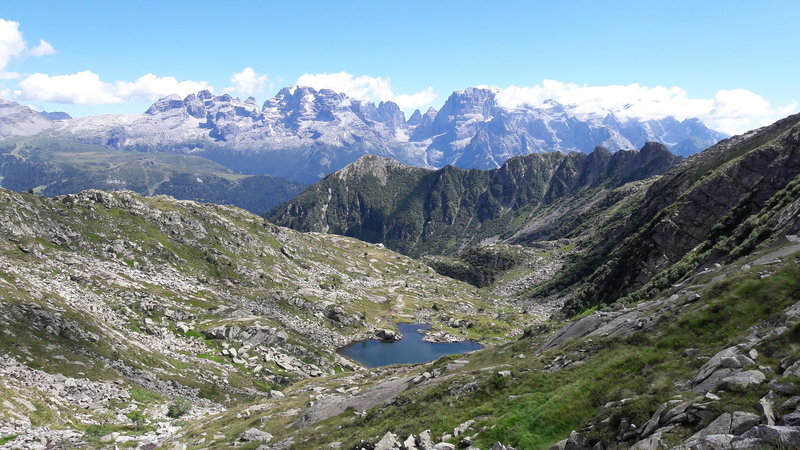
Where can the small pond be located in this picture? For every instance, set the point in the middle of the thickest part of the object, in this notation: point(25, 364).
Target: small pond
point(409, 350)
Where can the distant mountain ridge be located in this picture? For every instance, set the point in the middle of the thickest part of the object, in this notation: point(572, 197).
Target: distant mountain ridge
point(304, 134)
point(18, 120)
point(418, 211)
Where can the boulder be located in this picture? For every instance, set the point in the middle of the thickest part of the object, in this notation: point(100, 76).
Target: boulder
point(444, 446)
point(742, 380)
point(459, 323)
point(338, 315)
point(276, 395)
point(388, 335)
point(714, 442)
point(424, 441)
point(387, 442)
point(713, 381)
point(792, 403)
point(461, 429)
point(730, 362)
point(651, 443)
point(575, 441)
point(793, 370)
point(255, 435)
point(742, 421)
point(766, 407)
point(410, 443)
point(783, 388)
point(499, 446)
point(720, 425)
point(776, 436)
point(652, 424)
point(713, 364)
point(791, 419)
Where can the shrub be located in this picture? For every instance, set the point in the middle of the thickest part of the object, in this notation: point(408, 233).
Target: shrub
point(179, 408)
point(138, 418)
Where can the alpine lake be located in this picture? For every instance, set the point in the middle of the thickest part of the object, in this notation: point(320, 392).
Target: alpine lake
point(411, 349)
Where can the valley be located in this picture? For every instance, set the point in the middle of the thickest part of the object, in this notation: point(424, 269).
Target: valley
point(272, 225)
point(154, 322)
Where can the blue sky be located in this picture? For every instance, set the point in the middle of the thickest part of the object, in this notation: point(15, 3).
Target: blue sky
point(732, 63)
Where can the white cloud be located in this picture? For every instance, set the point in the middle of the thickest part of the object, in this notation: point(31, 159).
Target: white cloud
point(44, 48)
point(11, 42)
point(247, 82)
point(87, 88)
point(376, 89)
point(413, 101)
point(730, 111)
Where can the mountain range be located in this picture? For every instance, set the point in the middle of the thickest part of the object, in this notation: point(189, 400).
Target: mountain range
point(420, 211)
point(303, 134)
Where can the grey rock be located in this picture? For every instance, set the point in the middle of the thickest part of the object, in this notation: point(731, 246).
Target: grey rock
point(499, 446)
point(714, 442)
point(748, 444)
point(651, 443)
point(424, 440)
point(793, 370)
point(766, 407)
point(690, 352)
point(461, 429)
point(791, 419)
point(720, 425)
point(254, 434)
point(444, 446)
point(652, 424)
point(387, 442)
point(730, 362)
point(785, 388)
point(388, 335)
point(276, 395)
point(792, 403)
point(410, 443)
point(575, 441)
point(778, 436)
point(742, 421)
point(713, 381)
point(743, 380)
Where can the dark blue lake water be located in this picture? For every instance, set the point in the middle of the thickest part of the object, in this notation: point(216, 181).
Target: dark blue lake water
point(409, 350)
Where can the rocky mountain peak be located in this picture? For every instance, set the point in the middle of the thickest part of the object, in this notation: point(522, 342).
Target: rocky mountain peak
point(173, 101)
point(611, 120)
point(370, 165)
point(471, 101)
point(55, 115)
point(19, 120)
point(415, 119)
point(654, 148)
